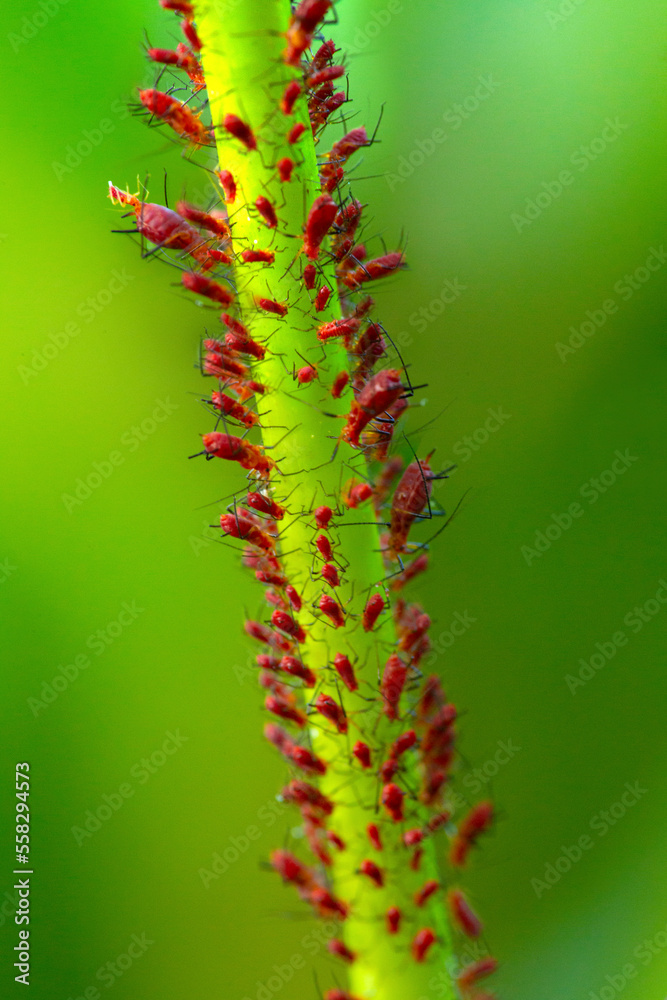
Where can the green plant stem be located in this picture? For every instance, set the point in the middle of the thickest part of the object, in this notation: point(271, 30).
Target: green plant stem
point(246, 76)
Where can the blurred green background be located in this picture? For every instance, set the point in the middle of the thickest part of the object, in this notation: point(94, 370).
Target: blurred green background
point(486, 107)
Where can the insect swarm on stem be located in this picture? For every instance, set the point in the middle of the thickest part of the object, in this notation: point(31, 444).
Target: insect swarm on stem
point(369, 742)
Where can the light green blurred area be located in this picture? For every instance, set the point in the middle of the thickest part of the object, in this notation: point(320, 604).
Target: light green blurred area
point(550, 87)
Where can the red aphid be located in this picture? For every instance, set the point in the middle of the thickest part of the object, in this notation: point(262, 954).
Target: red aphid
point(392, 684)
point(180, 6)
point(302, 27)
point(191, 35)
point(381, 267)
point(411, 497)
point(323, 546)
point(258, 256)
point(271, 306)
point(265, 661)
point(373, 872)
point(286, 623)
point(235, 449)
point(301, 793)
point(388, 769)
point(322, 516)
point(359, 494)
point(363, 754)
point(327, 905)
point(402, 743)
point(232, 408)
point(477, 821)
point(320, 219)
point(215, 224)
point(472, 973)
point(350, 143)
point(332, 711)
point(345, 671)
point(322, 298)
point(223, 364)
point(210, 289)
point(393, 919)
point(309, 276)
point(392, 800)
point(462, 914)
point(337, 841)
point(295, 133)
point(330, 575)
point(438, 821)
point(285, 710)
point(326, 75)
point(379, 393)
point(265, 635)
point(416, 859)
point(325, 107)
point(267, 211)
point(422, 943)
point(290, 665)
point(413, 837)
point(240, 130)
point(324, 55)
point(306, 375)
point(285, 168)
point(290, 96)
point(291, 869)
point(180, 58)
point(161, 225)
point(177, 115)
point(226, 178)
point(293, 597)
point(373, 834)
point(237, 526)
point(372, 611)
point(341, 950)
point(265, 505)
point(426, 891)
point(345, 328)
point(332, 610)
point(307, 761)
point(339, 384)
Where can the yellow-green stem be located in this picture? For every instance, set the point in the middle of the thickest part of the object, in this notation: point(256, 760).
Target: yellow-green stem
point(246, 75)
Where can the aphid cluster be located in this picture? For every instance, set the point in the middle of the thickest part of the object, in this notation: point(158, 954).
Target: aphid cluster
point(375, 717)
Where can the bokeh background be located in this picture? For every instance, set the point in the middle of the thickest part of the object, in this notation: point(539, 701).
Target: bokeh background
point(485, 106)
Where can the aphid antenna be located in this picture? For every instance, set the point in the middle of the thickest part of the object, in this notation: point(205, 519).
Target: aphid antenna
point(423, 545)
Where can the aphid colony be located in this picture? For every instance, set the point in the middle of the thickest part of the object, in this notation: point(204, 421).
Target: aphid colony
point(404, 762)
